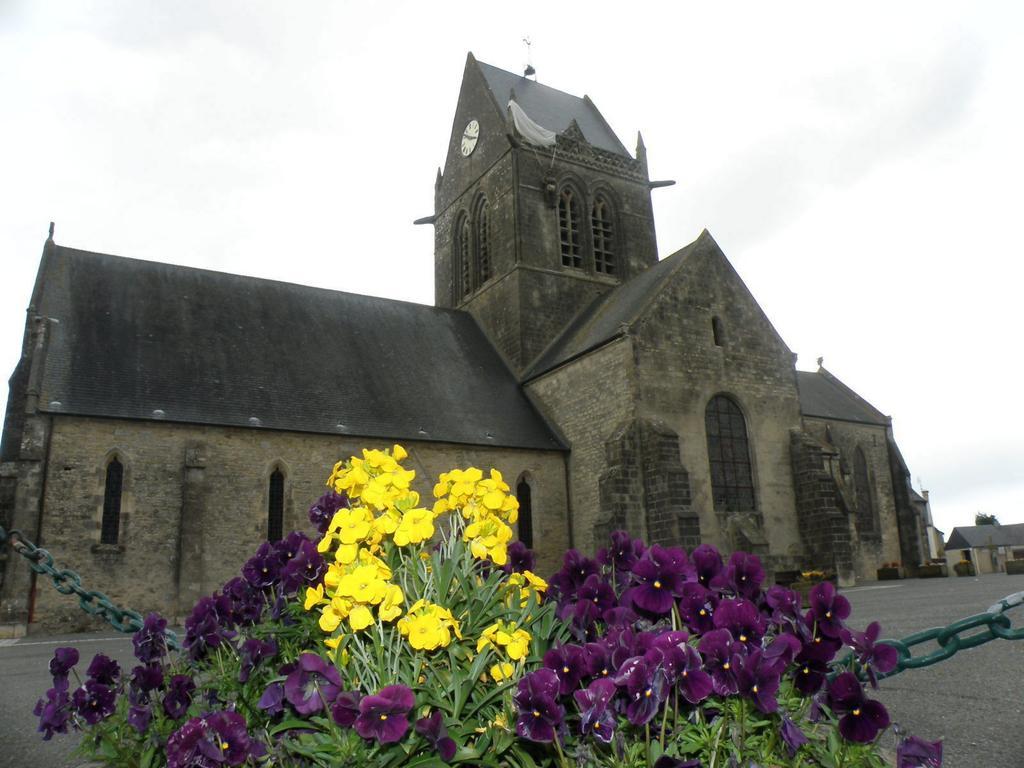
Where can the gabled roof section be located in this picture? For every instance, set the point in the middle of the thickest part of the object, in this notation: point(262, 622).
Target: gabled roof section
point(609, 315)
point(971, 536)
point(144, 340)
point(824, 396)
point(551, 108)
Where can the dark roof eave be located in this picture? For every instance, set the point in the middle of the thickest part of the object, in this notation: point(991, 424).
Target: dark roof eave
point(582, 353)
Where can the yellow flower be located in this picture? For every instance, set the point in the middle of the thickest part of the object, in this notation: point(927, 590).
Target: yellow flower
point(314, 596)
point(518, 646)
point(428, 626)
point(332, 613)
point(360, 618)
point(488, 538)
point(501, 671)
point(351, 525)
point(417, 526)
point(390, 607)
point(363, 585)
point(398, 452)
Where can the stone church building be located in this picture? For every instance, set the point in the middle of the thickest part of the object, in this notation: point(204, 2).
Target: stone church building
point(164, 420)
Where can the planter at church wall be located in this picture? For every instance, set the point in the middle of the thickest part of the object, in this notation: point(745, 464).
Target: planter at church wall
point(932, 571)
point(1014, 567)
point(890, 573)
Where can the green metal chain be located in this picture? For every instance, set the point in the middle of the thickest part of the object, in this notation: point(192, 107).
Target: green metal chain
point(67, 582)
point(992, 624)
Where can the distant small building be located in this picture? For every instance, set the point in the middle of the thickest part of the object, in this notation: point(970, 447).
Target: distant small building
point(988, 547)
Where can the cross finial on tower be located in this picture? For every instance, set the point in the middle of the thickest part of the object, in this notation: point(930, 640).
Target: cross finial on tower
point(50, 238)
point(821, 362)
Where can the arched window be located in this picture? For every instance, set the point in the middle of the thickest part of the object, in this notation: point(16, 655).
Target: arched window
point(110, 527)
point(864, 496)
point(569, 228)
point(717, 331)
point(525, 522)
point(275, 507)
point(732, 483)
point(483, 242)
point(463, 241)
point(603, 232)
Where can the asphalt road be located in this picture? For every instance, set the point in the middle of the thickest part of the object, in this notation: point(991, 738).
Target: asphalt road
point(974, 701)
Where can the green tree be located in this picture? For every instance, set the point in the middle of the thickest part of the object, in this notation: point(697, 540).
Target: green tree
point(982, 519)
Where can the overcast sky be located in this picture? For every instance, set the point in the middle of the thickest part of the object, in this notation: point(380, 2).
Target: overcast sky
point(860, 164)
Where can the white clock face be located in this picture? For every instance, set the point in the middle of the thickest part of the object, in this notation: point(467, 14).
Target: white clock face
point(469, 138)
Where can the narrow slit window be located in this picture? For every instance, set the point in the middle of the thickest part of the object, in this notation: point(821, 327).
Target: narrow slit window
point(525, 521)
point(717, 331)
point(864, 496)
point(275, 507)
point(603, 233)
point(110, 528)
point(569, 229)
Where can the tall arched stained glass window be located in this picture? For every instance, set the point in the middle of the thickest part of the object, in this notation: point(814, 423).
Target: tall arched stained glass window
point(732, 482)
point(110, 527)
point(483, 242)
point(603, 233)
point(569, 228)
point(525, 521)
point(463, 249)
point(275, 507)
point(865, 498)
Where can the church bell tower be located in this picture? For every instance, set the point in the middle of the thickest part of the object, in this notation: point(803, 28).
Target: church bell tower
point(540, 209)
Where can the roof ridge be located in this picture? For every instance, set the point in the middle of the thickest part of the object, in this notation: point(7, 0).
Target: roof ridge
point(832, 378)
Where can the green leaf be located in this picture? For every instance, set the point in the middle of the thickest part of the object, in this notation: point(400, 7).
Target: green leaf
point(288, 725)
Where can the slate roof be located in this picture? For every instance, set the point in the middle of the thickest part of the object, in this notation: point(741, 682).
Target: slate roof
point(551, 108)
point(606, 316)
point(970, 536)
point(136, 338)
point(824, 396)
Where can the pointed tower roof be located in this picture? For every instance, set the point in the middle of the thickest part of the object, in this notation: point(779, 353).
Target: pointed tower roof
point(551, 108)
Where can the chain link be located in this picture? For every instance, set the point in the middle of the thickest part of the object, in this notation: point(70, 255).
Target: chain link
point(67, 582)
point(991, 625)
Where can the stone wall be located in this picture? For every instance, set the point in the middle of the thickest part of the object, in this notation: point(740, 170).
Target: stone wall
point(589, 399)
point(873, 544)
point(207, 487)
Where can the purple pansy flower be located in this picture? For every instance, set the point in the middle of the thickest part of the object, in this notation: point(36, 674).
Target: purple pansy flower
point(520, 558)
point(204, 629)
point(594, 597)
point(792, 736)
point(913, 752)
point(385, 715)
point(304, 569)
point(322, 511)
point(828, 609)
point(646, 687)
point(312, 684)
point(862, 718)
point(217, 739)
point(693, 682)
point(272, 700)
point(570, 664)
point(743, 575)
point(622, 554)
point(598, 659)
point(345, 708)
point(596, 718)
point(253, 652)
point(707, 563)
point(785, 603)
point(783, 649)
point(178, 698)
point(53, 711)
point(742, 619)
point(697, 608)
point(757, 678)
point(575, 570)
point(263, 568)
point(150, 642)
point(432, 728)
point(658, 579)
point(61, 663)
point(873, 657)
point(539, 711)
point(94, 701)
point(104, 670)
point(139, 717)
point(717, 648)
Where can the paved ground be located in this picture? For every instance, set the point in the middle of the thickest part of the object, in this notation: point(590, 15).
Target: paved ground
point(974, 701)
